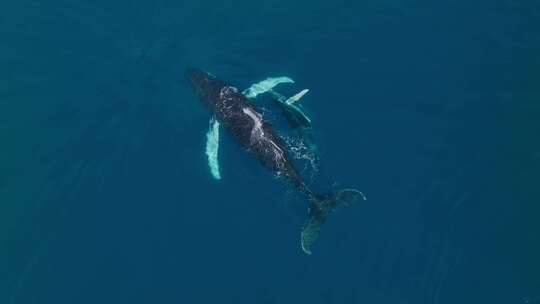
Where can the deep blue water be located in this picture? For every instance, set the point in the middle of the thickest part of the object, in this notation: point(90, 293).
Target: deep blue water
point(430, 108)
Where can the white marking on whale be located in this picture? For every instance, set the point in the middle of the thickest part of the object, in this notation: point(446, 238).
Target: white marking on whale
point(257, 132)
point(257, 135)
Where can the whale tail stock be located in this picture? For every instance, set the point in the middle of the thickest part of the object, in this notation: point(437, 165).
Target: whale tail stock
point(320, 207)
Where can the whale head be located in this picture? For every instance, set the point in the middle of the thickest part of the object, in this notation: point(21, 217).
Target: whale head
point(206, 85)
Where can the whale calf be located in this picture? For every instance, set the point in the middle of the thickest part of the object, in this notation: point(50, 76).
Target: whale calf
point(244, 121)
point(295, 116)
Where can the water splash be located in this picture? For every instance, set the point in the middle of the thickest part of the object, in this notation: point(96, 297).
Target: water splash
point(303, 150)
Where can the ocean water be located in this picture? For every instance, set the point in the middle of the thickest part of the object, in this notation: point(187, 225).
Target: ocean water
point(430, 108)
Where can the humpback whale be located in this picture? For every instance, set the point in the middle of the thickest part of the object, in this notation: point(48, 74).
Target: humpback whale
point(244, 121)
point(256, 89)
point(295, 116)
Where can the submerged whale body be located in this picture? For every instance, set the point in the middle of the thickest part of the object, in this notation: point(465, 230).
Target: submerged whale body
point(245, 123)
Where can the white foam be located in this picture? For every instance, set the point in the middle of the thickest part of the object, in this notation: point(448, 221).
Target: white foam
point(212, 147)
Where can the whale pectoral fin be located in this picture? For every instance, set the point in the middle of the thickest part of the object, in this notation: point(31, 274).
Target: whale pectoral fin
point(319, 210)
point(212, 147)
point(265, 86)
point(300, 116)
point(295, 115)
point(296, 97)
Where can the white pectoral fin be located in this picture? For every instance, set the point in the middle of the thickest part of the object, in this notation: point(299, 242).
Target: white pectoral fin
point(296, 97)
point(265, 86)
point(212, 147)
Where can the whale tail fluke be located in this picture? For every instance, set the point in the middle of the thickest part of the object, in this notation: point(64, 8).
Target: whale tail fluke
point(320, 207)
